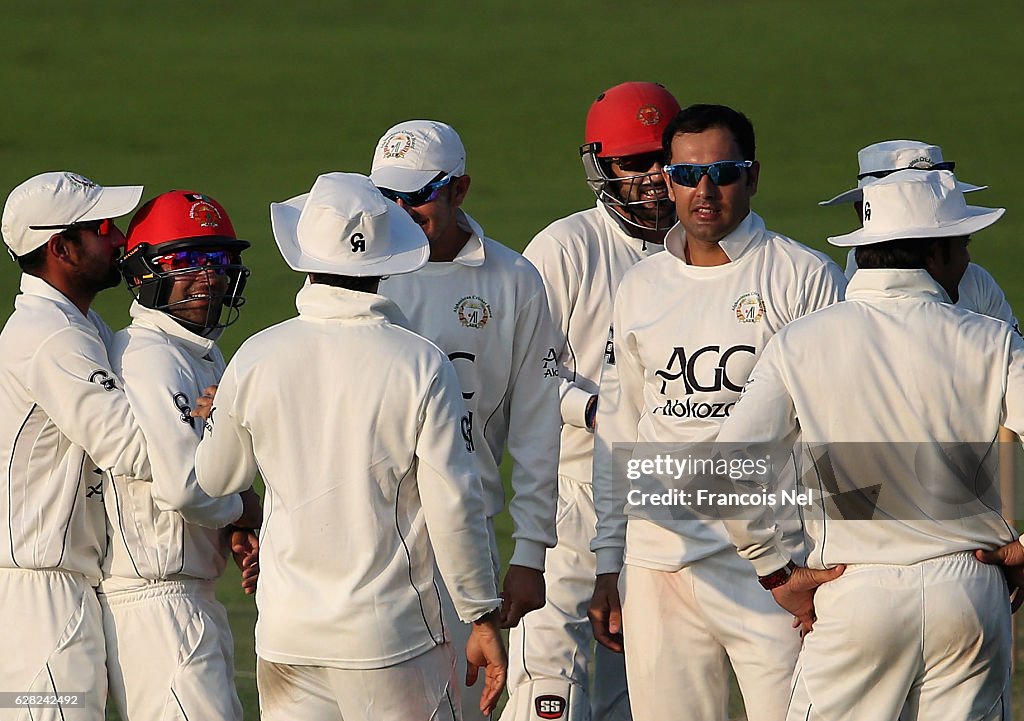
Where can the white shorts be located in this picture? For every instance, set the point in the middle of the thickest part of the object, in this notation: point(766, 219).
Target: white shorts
point(932, 639)
point(419, 689)
point(681, 630)
point(53, 641)
point(552, 651)
point(170, 653)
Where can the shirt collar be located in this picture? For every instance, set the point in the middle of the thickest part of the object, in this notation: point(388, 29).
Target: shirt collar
point(472, 253)
point(34, 285)
point(749, 234)
point(616, 221)
point(327, 302)
point(895, 283)
point(194, 343)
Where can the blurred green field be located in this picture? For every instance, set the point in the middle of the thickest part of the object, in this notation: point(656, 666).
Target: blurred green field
point(248, 102)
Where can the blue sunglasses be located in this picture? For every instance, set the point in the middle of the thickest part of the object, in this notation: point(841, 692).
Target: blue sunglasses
point(724, 172)
point(416, 198)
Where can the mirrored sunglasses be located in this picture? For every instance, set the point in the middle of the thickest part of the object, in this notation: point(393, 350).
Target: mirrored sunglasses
point(724, 172)
point(186, 259)
point(947, 165)
point(100, 227)
point(416, 198)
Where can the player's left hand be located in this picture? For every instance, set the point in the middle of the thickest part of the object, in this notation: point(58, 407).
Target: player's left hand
point(796, 595)
point(485, 650)
point(522, 592)
point(204, 403)
point(1011, 558)
point(245, 547)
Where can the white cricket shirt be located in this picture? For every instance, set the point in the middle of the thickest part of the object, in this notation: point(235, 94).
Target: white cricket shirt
point(64, 423)
point(166, 527)
point(358, 428)
point(686, 338)
point(894, 363)
point(487, 311)
point(582, 259)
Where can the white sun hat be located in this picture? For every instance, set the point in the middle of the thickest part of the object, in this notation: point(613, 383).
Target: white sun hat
point(57, 199)
point(916, 204)
point(880, 159)
point(344, 226)
point(411, 154)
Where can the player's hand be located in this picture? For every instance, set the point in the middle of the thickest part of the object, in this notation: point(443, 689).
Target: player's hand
point(522, 592)
point(1011, 558)
point(605, 612)
point(245, 547)
point(252, 511)
point(796, 595)
point(204, 403)
point(485, 650)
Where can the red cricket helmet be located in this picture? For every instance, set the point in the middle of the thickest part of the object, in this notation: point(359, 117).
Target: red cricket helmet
point(179, 232)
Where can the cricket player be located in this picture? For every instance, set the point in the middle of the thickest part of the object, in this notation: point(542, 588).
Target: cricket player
point(364, 445)
point(978, 290)
point(66, 427)
point(582, 258)
point(169, 644)
point(915, 620)
point(484, 305)
point(688, 325)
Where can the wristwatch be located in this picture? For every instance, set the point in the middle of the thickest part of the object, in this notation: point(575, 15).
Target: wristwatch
point(776, 578)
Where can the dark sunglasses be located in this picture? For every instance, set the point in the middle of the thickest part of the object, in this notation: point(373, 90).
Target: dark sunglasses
point(416, 198)
point(639, 163)
point(100, 227)
point(947, 165)
point(724, 172)
point(186, 259)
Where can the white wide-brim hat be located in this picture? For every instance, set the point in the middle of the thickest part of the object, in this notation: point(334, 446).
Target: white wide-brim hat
point(916, 204)
point(344, 226)
point(888, 157)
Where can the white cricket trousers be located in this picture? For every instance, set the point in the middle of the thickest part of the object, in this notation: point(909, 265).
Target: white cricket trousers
point(552, 650)
point(420, 689)
point(170, 652)
point(932, 639)
point(682, 629)
point(52, 638)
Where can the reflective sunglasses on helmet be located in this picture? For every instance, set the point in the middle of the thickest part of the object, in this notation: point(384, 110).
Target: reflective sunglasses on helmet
point(185, 259)
point(724, 172)
point(100, 227)
point(947, 165)
point(416, 198)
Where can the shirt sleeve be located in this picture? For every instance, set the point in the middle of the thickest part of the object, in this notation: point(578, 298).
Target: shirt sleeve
point(764, 414)
point(452, 498)
point(991, 300)
point(71, 378)
point(562, 284)
point(156, 381)
point(822, 288)
point(533, 435)
point(225, 460)
point(618, 416)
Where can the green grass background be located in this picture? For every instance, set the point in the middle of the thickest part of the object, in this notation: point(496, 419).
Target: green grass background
point(248, 102)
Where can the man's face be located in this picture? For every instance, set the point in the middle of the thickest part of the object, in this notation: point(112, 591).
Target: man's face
point(96, 255)
point(438, 217)
point(197, 296)
point(641, 188)
point(710, 212)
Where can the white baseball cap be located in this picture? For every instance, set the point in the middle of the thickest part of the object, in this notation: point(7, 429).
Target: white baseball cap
point(916, 204)
point(890, 156)
point(344, 226)
point(56, 199)
point(413, 153)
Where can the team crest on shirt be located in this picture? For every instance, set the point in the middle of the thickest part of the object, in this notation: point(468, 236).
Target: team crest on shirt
point(549, 706)
point(648, 115)
point(397, 145)
point(473, 311)
point(749, 308)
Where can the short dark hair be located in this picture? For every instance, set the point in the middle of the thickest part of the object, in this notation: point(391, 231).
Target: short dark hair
point(700, 117)
point(363, 284)
point(32, 262)
point(904, 253)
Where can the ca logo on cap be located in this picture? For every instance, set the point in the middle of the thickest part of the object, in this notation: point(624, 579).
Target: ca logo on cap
point(867, 211)
point(358, 243)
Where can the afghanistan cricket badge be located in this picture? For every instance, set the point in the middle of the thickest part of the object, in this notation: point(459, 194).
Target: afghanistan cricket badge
point(749, 308)
point(473, 311)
